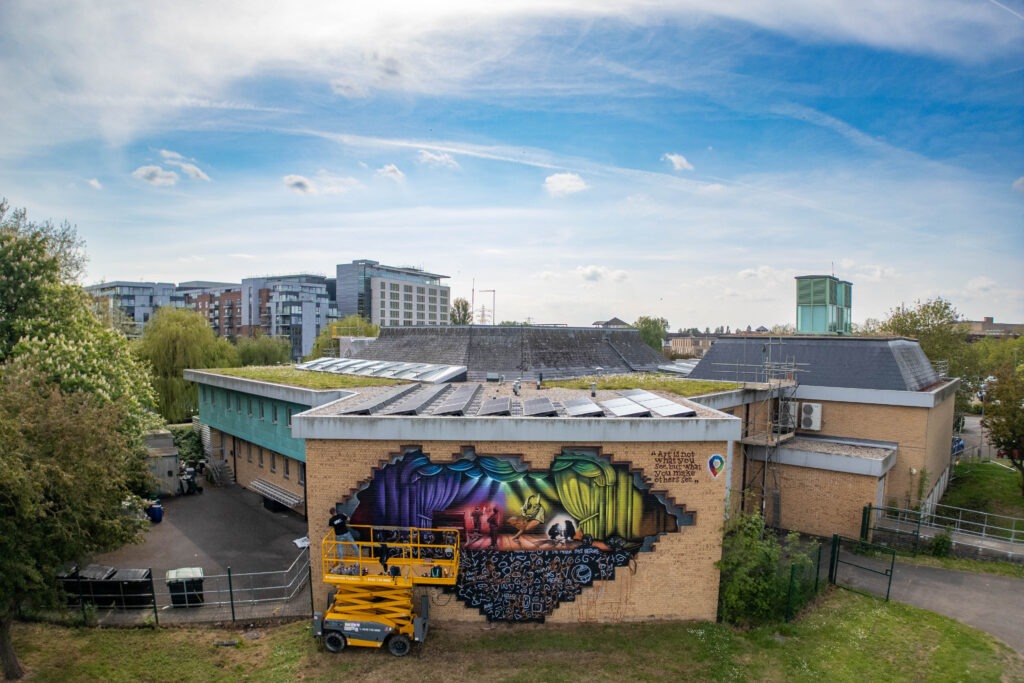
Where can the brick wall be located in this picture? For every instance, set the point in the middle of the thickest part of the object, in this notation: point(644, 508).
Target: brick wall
point(678, 580)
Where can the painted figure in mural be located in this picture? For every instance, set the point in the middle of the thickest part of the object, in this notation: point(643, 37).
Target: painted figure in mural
point(492, 526)
point(477, 514)
point(342, 534)
point(532, 516)
point(555, 534)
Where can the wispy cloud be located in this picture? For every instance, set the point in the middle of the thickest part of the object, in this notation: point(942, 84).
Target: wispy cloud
point(438, 159)
point(1018, 184)
point(391, 172)
point(564, 184)
point(599, 273)
point(155, 175)
point(95, 184)
point(678, 161)
point(324, 183)
point(186, 166)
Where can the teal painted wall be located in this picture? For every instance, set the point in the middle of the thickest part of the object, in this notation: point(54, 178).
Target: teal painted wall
point(229, 411)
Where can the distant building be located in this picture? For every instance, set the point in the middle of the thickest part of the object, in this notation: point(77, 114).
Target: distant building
point(135, 300)
point(614, 323)
point(295, 307)
point(988, 327)
point(687, 344)
point(391, 296)
point(823, 305)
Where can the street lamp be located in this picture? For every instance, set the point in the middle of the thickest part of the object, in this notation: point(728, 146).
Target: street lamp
point(494, 319)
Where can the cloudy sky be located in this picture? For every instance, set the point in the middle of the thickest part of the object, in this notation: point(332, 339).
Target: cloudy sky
point(583, 159)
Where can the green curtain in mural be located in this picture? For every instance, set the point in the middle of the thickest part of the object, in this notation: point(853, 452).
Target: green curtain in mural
point(600, 496)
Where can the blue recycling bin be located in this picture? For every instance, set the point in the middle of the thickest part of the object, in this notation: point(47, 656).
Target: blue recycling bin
point(155, 512)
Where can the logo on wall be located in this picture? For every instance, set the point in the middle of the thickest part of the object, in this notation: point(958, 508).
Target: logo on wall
point(530, 540)
point(716, 464)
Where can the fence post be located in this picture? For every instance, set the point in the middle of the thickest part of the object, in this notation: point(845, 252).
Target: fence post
point(834, 559)
point(231, 596)
point(865, 522)
point(309, 578)
point(789, 596)
point(152, 594)
point(817, 570)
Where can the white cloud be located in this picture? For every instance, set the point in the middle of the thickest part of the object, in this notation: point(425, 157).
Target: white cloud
point(188, 168)
point(95, 184)
point(981, 285)
point(440, 159)
point(564, 184)
point(324, 183)
point(678, 161)
point(599, 273)
point(1018, 184)
point(391, 172)
point(155, 175)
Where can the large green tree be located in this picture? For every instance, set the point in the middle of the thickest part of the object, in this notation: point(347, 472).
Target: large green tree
point(460, 313)
point(176, 339)
point(74, 404)
point(652, 331)
point(1004, 415)
point(353, 325)
point(264, 350)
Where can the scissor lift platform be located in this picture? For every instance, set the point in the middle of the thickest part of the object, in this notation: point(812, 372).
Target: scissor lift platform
point(372, 602)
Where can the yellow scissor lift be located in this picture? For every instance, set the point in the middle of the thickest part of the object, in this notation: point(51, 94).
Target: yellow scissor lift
point(373, 580)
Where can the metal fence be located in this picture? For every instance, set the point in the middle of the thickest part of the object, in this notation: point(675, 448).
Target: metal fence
point(861, 566)
point(912, 530)
point(192, 597)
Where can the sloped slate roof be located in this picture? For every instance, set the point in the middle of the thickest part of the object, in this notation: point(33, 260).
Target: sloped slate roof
point(894, 363)
point(518, 351)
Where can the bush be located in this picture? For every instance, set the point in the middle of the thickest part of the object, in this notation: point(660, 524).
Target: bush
point(188, 443)
point(941, 544)
point(757, 573)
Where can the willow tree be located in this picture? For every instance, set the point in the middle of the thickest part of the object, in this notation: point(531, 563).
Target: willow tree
point(460, 313)
point(263, 350)
point(74, 405)
point(176, 339)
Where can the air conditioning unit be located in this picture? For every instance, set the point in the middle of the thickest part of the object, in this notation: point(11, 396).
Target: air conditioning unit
point(789, 413)
point(810, 416)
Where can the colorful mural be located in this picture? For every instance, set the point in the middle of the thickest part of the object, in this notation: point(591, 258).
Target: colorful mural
point(530, 540)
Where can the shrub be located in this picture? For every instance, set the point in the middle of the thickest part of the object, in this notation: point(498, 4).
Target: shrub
point(941, 544)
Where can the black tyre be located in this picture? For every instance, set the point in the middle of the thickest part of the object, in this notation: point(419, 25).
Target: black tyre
point(399, 645)
point(334, 641)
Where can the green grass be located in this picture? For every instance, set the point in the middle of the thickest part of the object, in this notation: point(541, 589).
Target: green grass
point(669, 383)
point(844, 637)
point(986, 486)
point(306, 379)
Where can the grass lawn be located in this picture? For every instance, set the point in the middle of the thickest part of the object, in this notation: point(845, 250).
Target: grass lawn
point(669, 383)
point(986, 486)
point(845, 637)
point(306, 379)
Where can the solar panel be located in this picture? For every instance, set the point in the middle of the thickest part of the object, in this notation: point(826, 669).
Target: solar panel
point(658, 405)
point(582, 407)
point(496, 406)
point(538, 407)
point(623, 407)
point(414, 403)
point(459, 399)
point(376, 401)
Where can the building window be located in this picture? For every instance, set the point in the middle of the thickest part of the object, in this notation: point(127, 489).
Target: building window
point(273, 412)
point(238, 404)
point(287, 467)
point(302, 473)
point(273, 461)
point(248, 452)
point(289, 417)
point(261, 456)
point(248, 403)
point(261, 410)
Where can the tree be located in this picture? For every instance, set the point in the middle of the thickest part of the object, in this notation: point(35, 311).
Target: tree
point(74, 404)
point(263, 350)
point(176, 339)
point(461, 314)
point(783, 329)
point(652, 331)
point(350, 326)
point(943, 337)
point(1004, 415)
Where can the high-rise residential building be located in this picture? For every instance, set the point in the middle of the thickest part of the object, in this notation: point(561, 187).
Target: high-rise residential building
point(823, 305)
point(136, 301)
point(392, 296)
point(295, 307)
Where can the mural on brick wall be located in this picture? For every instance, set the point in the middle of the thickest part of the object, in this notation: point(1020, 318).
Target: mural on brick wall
point(530, 540)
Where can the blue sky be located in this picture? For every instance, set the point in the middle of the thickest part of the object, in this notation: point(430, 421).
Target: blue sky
point(583, 159)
